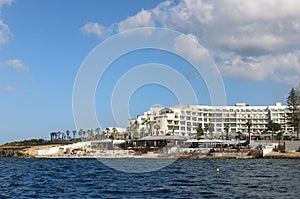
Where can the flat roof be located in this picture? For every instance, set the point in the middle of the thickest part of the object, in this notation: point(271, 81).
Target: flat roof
point(163, 137)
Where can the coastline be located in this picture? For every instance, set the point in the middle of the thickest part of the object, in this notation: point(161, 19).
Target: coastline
point(30, 152)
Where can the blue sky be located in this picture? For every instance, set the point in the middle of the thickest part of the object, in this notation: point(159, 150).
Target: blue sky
point(44, 43)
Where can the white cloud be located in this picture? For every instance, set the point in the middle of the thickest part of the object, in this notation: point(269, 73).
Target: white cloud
point(284, 68)
point(4, 29)
point(4, 33)
point(93, 28)
point(188, 46)
point(142, 19)
point(255, 39)
point(16, 65)
point(7, 89)
point(5, 2)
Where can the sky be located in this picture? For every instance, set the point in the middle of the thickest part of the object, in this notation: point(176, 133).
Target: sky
point(249, 48)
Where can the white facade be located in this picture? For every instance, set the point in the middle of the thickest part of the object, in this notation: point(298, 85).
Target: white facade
point(183, 120)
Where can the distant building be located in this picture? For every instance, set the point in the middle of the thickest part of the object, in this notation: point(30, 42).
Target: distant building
point(183, 120)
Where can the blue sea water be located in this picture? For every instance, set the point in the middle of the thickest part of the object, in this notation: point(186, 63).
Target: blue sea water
point(185, 178)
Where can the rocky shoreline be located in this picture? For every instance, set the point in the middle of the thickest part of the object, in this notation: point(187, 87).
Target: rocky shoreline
point(30, 152)
point(15, 152)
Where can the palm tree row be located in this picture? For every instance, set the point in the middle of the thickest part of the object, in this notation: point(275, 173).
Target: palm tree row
point(83, 135)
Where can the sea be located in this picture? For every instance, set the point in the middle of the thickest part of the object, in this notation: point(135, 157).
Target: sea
point(183, 178)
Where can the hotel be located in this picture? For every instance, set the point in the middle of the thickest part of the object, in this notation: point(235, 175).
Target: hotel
point(183, 120)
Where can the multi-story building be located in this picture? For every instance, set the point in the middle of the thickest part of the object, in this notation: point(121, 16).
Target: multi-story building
point(183, 120)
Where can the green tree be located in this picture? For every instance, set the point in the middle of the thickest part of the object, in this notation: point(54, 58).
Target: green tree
point(273, 127)
point(53, 136)
point(114, 133)
point(135, 135)
point(173, 129)
point(157, 127)
point(279, 137)
point(97, 132)
point(125, 135)
point(239, 135)
point(68, 134)
point(142, 132)
point(63, 136)
point(88, 132)
point(226, 128)
point(91, 134)
point(74, 134)
point(107, 132)
point(149, 125)
point(58, 135)
point(135, 127)
point(200, 131)
point(293, 102)
point(80, 133)
point(84, 134)
point(248, 125)
point(209, 128)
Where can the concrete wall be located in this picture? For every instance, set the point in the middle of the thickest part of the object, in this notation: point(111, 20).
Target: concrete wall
point(292, 146)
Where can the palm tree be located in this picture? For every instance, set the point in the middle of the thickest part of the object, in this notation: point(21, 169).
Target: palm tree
point(279, 136)
point(135, 127)
point(80, 133)
point(84, 134)
point(272, 126)
point(74, 134)
point(173, 129)
point(53, 136)
point(97, 132)
point(128, 131)
point(226, 128)
point(91, 134)
point(239, 135)
point(125, 135)
point(248, 125)
point(149, 125)
point(157, 127)
point(58, 134)
point(68, 134)
point(63, 136)
point(114, 133)
point(135, 135)
point(200, 131)
point(209, 128)
point(142, 132)
point(107, 132)
point(88, 132)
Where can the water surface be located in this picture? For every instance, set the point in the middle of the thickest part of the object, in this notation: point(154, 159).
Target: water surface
point(185, 178)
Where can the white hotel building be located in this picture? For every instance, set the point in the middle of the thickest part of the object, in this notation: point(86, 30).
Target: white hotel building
point(183, 120)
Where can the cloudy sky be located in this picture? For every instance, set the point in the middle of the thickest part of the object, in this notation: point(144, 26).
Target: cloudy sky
point(254, 44)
